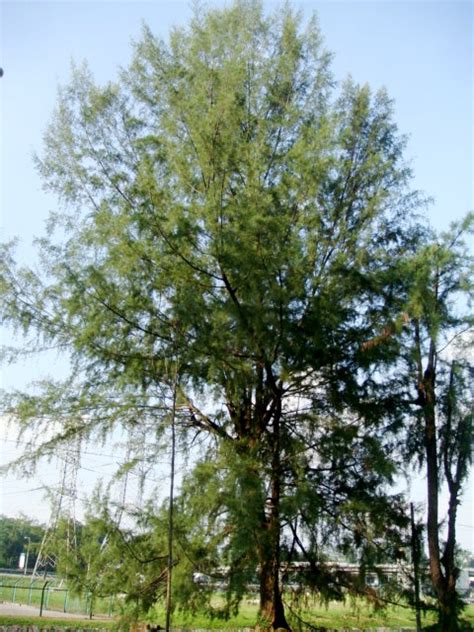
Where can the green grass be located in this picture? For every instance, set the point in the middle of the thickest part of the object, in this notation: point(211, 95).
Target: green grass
point(245, 619)
point(46, 622)
point(359, 615)
point(334, 615)
point(28, 591)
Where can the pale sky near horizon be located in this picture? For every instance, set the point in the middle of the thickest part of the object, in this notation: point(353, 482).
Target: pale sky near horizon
point(421, 51)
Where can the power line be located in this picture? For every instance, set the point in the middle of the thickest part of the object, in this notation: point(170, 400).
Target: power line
point(25, 491)
point(84, 452)
point(18, 442)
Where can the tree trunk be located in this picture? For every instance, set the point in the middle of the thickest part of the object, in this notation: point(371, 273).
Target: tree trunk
point(448, 609)
point(272, 612)
point(444, 583)
point(443, 571)
point(432, 475)
point(449, 602)
point(432, 518)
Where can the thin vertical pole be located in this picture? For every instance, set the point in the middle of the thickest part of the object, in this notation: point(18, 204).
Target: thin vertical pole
point(415, 553)
point(27, 555)
point(170, 507)
point(30, 591)
point(42, 598)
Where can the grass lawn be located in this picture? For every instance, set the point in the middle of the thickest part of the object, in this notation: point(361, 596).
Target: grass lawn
point(29, 590)
point(46, 622)
point(335, 615)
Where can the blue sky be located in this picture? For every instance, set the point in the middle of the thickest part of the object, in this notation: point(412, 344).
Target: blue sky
point(422, 52)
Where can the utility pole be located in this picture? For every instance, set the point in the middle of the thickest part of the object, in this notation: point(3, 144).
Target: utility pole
point(171, 502)
point(415, 556)
point(63, 506)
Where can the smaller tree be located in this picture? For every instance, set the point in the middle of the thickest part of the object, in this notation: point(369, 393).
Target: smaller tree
point(17, 536)
point(439, 356)
point(110, 560)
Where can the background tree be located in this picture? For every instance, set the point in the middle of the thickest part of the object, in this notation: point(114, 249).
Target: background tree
point(221, 210)
point(17, 535)
point(441, 363)
point(109, 560)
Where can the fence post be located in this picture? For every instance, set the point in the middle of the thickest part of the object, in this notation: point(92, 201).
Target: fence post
point(66, 593)
point(111, 601)
point(14, 589)
point(42, 597)
point(30, 591)
point(88, 606)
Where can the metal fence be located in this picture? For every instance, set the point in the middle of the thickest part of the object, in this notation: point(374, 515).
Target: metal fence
point(49, 594)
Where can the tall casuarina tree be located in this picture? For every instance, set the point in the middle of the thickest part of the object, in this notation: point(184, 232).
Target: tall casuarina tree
point(222, 210)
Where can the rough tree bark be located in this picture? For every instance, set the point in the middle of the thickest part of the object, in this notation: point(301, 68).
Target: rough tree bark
point(272, 612)
point(443, 570)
